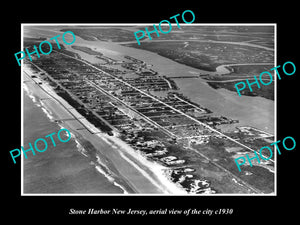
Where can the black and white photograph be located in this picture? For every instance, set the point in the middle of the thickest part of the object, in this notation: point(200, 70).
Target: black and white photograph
point(159, 117)
point(150, 112)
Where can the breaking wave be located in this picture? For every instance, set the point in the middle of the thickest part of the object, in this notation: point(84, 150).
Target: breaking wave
point(99, 165)
point(162, 182)
point(105, 171)
point(38, 102)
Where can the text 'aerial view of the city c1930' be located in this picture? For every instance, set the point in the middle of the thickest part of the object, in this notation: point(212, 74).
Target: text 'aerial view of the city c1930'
point(162, 117)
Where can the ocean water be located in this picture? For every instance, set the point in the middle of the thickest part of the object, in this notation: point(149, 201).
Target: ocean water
point(61, 169)
point(69, 168)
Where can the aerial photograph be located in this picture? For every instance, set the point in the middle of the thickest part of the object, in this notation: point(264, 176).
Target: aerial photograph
point(159, 118)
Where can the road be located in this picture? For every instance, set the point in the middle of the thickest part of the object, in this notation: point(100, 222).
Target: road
point(59, 102)
point(74, 97)
point(182, 113)
point(199, 109)
point(157, 100)
point(134, 110)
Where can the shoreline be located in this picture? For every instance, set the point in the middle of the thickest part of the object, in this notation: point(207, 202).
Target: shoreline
point(221, 101)
point(137, 176)
point(62, 169)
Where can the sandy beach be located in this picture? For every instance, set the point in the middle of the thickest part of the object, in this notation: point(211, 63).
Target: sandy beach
point(126, 166)
point(130, 170)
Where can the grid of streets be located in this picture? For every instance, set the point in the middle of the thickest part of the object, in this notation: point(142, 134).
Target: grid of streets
point(127, 107)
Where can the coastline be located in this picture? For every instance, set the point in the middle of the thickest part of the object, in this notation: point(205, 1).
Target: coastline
point(127, 169)
point(60, 169)
point(220, 101)
point(228, 103)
